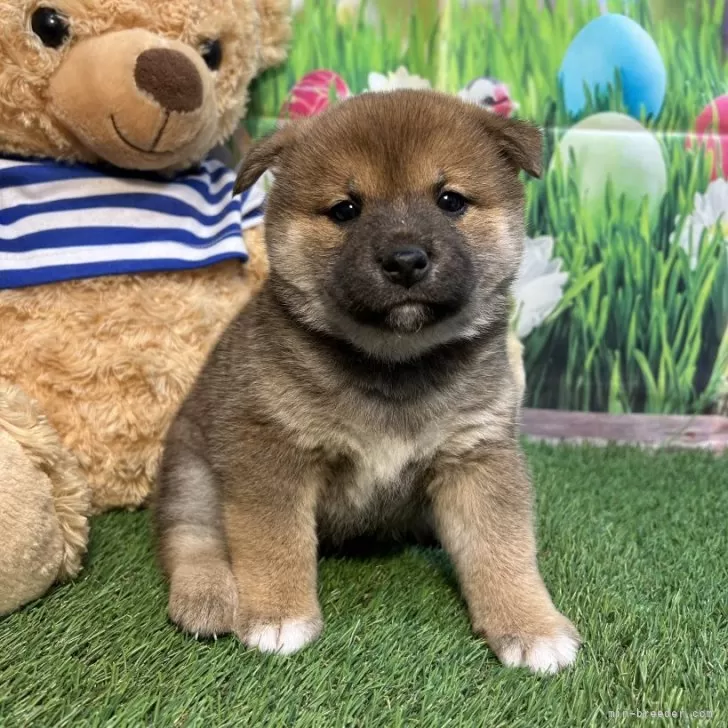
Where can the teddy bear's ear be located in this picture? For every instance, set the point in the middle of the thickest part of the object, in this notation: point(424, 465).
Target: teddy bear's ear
point(275, 31)
point(263, 156)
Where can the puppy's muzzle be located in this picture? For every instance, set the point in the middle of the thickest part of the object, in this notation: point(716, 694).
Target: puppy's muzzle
point(406, 266)
point(402, 270)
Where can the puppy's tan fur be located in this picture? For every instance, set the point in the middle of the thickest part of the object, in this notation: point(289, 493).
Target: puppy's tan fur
point(339, 405)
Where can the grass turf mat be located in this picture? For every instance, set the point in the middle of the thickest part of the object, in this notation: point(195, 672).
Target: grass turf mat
point(632, 546)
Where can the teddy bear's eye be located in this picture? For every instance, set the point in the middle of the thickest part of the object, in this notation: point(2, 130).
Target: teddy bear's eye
point(211, 51)
point(50, 26)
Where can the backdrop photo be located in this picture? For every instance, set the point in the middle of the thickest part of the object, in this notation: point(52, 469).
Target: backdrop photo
point(622, 300)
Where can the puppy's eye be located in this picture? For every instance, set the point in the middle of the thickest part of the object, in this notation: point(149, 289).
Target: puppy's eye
point(452, 202)
point(345, 211)
point(50, 26)
point(211, 52)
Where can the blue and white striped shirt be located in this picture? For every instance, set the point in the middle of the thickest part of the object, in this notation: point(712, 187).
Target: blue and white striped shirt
point(59, 222)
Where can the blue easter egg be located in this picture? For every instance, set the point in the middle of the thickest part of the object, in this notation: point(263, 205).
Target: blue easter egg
point(608, 44)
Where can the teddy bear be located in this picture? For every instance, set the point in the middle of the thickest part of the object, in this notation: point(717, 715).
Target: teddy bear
point(123, 254)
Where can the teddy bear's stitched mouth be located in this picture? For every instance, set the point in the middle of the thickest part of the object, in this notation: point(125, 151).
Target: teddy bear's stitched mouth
point(133, 146)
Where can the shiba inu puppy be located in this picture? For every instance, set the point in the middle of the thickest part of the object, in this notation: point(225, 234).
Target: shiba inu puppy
point(370, 388)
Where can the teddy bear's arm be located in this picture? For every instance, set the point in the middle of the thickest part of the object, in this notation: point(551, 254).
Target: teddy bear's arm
point(44, 503)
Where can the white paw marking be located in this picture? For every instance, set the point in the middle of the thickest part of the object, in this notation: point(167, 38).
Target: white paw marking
point(544, 655)
point(283, 638)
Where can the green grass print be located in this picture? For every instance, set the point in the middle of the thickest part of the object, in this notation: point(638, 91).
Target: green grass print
point(637, 329)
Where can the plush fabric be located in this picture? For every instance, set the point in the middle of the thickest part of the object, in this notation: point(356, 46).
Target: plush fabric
point(93, 367)
point(45, 503)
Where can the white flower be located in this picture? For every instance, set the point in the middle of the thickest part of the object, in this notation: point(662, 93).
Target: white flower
point(401, 78)
point(297, 6)
point(539, 286)
point(709, 216)
point(347, 11)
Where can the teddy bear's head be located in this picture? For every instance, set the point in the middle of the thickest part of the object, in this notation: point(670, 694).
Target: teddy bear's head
point(140, 84)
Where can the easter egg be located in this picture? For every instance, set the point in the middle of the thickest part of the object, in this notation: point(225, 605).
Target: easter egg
point(313, 93)
point(611, 147)
point(608, 45)
point(711, 129)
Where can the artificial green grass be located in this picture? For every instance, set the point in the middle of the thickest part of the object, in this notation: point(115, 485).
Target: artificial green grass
point(638, 330)
point(632, 546)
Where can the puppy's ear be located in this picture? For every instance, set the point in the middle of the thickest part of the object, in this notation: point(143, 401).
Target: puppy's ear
point(520, 142)
point(263, 155)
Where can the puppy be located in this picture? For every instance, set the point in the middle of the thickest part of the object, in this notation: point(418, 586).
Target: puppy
point(366, 391)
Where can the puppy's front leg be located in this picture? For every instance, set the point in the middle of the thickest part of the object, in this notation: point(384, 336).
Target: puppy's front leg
point(271, 534)
point(483, 515)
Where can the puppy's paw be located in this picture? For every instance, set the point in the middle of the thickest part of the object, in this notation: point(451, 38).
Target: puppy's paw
point(540, 653)
point(203, 600)
point(283, 637)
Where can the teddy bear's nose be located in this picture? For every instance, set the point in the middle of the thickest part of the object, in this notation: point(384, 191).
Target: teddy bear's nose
point(170, 78)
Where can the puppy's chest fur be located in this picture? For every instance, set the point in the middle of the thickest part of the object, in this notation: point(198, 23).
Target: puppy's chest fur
point(376, 476)
point(375, 480)
point(374, 443)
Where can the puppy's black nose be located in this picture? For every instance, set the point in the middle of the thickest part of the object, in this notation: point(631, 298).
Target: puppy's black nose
point(406, 266)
